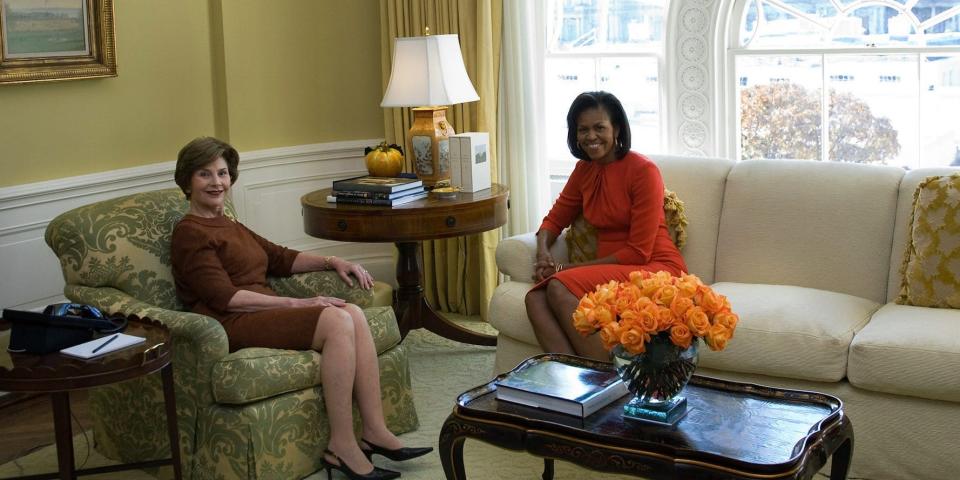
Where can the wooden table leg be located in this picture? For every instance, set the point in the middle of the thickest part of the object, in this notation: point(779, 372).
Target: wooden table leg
point(64, 434)
point(412, 309)
point(170, 403)
point(547, 469)
point(840, 461)
point(451, 450)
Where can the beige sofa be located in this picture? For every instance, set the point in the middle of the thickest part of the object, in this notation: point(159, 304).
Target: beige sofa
point(809, 254)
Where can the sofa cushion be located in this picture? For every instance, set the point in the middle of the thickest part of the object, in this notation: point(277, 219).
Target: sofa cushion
point(702, 195)
point(930, 275)
point(252, 374)
point(823, 225)
point(901, 232)
point(908, 350)
point(787, 331)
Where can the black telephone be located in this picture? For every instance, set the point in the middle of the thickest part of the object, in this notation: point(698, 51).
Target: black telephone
point(61, 325)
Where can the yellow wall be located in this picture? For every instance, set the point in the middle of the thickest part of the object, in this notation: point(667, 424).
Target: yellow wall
point(300, 72)
point(273, 73)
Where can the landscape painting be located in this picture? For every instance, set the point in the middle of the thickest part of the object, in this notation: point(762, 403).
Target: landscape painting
point(42, 40)
point(44, 28)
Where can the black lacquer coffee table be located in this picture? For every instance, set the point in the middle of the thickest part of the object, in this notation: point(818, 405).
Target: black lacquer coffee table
point(732, 431)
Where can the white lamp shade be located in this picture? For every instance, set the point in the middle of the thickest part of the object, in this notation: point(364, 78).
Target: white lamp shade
point(428, 71)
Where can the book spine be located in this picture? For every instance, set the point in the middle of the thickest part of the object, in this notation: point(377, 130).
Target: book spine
point(466, 166)
point(455, 168)
point(365, 201)
point(361, 194)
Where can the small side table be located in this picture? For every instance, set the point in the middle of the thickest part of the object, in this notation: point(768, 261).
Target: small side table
point(406, 225)
point(57, 374)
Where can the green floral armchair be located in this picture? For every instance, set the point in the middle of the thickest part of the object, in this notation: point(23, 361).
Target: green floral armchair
point(256, 413)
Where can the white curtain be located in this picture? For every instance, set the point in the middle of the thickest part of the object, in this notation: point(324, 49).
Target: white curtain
point(523, 166)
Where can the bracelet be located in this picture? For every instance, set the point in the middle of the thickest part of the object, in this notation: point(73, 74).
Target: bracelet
point(559, 267)
point(328, 263)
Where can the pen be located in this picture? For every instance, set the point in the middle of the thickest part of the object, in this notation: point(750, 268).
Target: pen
point(104, 344)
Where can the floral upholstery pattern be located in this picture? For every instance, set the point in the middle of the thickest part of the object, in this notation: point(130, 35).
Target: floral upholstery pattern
point(255, 413)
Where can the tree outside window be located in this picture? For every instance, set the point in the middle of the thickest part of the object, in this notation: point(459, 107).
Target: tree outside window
point(884, 78)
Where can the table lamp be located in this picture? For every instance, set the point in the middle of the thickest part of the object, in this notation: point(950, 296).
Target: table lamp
point(428, 73)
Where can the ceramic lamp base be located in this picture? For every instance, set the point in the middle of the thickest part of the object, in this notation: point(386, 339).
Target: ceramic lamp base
point(429, 140)
point(667, 413)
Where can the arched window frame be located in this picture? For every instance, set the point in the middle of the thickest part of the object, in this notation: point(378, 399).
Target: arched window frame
point(726, 34)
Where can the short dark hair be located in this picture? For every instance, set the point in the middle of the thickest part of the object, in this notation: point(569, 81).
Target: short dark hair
point(198, 153)
point(618, 117)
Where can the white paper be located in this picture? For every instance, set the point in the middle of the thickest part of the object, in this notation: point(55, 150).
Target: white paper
point(86, 350)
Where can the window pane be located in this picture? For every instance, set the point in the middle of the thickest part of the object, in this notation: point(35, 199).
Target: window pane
point(604, 25)
point(780, 106)
point(939, 104)
point(781, 28)
point(873, 102)
point(634, 81)
point(946, 32)
point(565, 79)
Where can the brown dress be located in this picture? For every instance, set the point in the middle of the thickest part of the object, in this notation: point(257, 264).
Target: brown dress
point(214, 258)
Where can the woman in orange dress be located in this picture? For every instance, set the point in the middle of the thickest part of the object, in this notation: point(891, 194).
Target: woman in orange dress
point(618, 191)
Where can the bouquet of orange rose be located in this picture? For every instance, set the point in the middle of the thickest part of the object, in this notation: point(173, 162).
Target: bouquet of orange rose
point(651, 304)
point(651, 326)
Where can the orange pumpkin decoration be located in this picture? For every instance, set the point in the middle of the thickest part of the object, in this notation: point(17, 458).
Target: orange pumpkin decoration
point(384, 160)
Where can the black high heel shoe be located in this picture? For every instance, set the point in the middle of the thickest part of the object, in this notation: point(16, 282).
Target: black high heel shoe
point(377, 473)
point(397, 455)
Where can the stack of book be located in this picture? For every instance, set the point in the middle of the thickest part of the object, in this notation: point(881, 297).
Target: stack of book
point(367, 190)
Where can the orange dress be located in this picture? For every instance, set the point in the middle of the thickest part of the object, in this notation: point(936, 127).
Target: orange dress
point(624, 201)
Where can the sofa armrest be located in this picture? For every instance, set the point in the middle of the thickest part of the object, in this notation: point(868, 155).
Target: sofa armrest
point(517, 255)
point(327, 283)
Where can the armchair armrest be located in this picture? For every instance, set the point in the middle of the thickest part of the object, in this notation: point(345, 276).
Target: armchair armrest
point(198, 340)
point(326, 283)
point(516, 255)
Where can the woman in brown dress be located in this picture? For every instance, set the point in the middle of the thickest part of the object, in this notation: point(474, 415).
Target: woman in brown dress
point(221, 267)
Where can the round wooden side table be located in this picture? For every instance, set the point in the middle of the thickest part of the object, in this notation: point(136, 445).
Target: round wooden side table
point(57, 374)
point(407, 225)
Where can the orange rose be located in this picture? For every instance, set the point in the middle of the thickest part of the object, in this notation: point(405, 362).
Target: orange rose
point(664, 295)
point(648, 319)
point(634, 340)
point(627, 296)
point(629, 319)
point(717, 337)
point(582, 322)
point(728, 319)
point(610, 335)
point(680, 336)
point(687, 286)
point(709, 300)
point(680, 304)
point(602, 316)
point(697, 321)
point(665, 319)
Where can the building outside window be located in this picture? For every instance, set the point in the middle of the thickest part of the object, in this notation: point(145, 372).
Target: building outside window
point(847, 80)
point(611, 45)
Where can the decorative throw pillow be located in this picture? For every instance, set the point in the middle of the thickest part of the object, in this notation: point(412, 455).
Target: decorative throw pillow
point(930, 274)
point(581, 237)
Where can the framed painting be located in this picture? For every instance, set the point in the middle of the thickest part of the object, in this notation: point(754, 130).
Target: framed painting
point(47, 40)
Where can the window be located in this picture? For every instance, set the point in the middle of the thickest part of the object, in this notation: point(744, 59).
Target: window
point(881, 76)
point(611, 45)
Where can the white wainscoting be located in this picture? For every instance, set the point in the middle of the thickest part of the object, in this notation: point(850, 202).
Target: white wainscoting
point(267, 198)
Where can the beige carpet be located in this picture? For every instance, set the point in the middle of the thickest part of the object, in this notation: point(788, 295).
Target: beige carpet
point(441, 370)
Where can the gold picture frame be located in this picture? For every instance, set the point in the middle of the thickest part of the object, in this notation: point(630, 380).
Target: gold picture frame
point(48, 40)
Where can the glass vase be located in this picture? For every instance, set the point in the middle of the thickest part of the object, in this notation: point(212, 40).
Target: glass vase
point(655, 378)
